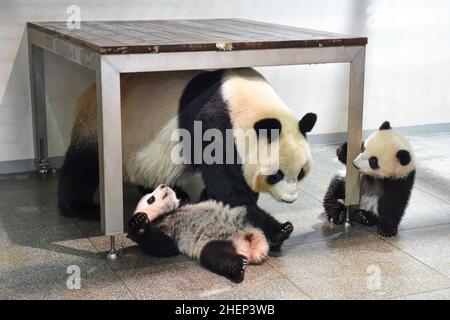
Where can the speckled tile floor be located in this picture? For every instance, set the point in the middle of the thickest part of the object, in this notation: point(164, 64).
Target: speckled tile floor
point(41, 251)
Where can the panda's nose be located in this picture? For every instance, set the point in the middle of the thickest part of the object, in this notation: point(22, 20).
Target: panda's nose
point(162, 186)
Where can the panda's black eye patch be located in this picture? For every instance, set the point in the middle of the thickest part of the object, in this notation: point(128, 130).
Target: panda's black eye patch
point(151, 200)
point(404, 157)
point(275, 178)
point(301, 175)
point(270, 127)
point(373, 163)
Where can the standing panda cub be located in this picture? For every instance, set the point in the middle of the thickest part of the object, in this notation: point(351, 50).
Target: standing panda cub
point(219, 236)
point(388, 169)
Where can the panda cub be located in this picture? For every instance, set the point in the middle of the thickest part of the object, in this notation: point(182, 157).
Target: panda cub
point(219, 236)
point(387, 168)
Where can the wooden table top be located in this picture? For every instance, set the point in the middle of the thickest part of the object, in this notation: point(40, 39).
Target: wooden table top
point(153, 36)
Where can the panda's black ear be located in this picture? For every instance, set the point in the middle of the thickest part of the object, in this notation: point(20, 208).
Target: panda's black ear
point(268, 124)
point(404, 157)
point(385, 126)
point(306, 124)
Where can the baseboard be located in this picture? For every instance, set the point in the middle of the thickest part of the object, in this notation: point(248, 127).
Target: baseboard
point(26, 165)
point(340, 137)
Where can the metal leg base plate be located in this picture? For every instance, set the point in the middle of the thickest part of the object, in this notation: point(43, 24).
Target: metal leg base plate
point(112, 254)
point(45, 168)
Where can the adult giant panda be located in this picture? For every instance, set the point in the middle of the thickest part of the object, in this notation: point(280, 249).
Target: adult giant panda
point(154, 105)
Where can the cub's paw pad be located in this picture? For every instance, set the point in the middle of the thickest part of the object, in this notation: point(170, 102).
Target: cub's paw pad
point(286, 230)
point(387, 233)
point(237, 269)
point(138, 221)
point(367, 218)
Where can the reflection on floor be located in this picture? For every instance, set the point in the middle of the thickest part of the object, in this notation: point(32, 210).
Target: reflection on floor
point(40, 251)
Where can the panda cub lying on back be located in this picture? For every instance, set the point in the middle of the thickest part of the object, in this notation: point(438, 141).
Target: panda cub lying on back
point(387, 168)
point(219, 236)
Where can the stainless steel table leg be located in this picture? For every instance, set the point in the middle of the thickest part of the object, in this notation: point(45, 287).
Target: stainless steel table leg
point(110, 151)
point(355, 117)
point(37, 85)
point(112, 254)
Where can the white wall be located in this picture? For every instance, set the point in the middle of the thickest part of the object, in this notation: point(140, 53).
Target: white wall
point(408, 60)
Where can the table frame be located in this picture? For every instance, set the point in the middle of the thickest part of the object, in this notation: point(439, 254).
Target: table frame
point(108, 69)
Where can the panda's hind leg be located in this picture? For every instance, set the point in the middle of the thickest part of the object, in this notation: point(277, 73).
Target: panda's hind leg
point(253, 244)
point(78, 181)
point(221, 257)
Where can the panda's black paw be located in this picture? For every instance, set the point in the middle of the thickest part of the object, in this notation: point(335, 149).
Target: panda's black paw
point(137, 224)
point(286, 230)
point(276, 239)
point(337, 217)
point(387, 232)
point(236, 269)
point(367, 218)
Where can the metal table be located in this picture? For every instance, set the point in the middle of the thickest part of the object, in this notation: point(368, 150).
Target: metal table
point(114, 47)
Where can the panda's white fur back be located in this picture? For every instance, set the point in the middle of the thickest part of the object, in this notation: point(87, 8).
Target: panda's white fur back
point(150, 104)
point(152, 164)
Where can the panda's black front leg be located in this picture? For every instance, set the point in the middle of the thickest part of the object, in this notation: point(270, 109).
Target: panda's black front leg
point(389, 217)
point(154, 242)
point(225, 183)
point(388, 224)
point(275, 232)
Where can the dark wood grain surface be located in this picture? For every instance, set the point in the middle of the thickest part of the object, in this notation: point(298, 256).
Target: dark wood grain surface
point(153, 36)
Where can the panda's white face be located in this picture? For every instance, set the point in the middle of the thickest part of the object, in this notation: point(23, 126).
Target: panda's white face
point(254, 106)
point(162, 200)
point(288, 165)
point(386, 154)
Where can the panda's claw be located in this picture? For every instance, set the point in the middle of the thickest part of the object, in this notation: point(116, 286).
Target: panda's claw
point(244, 266)
point(337, 218)
point(238, 268)
point(367, 218)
